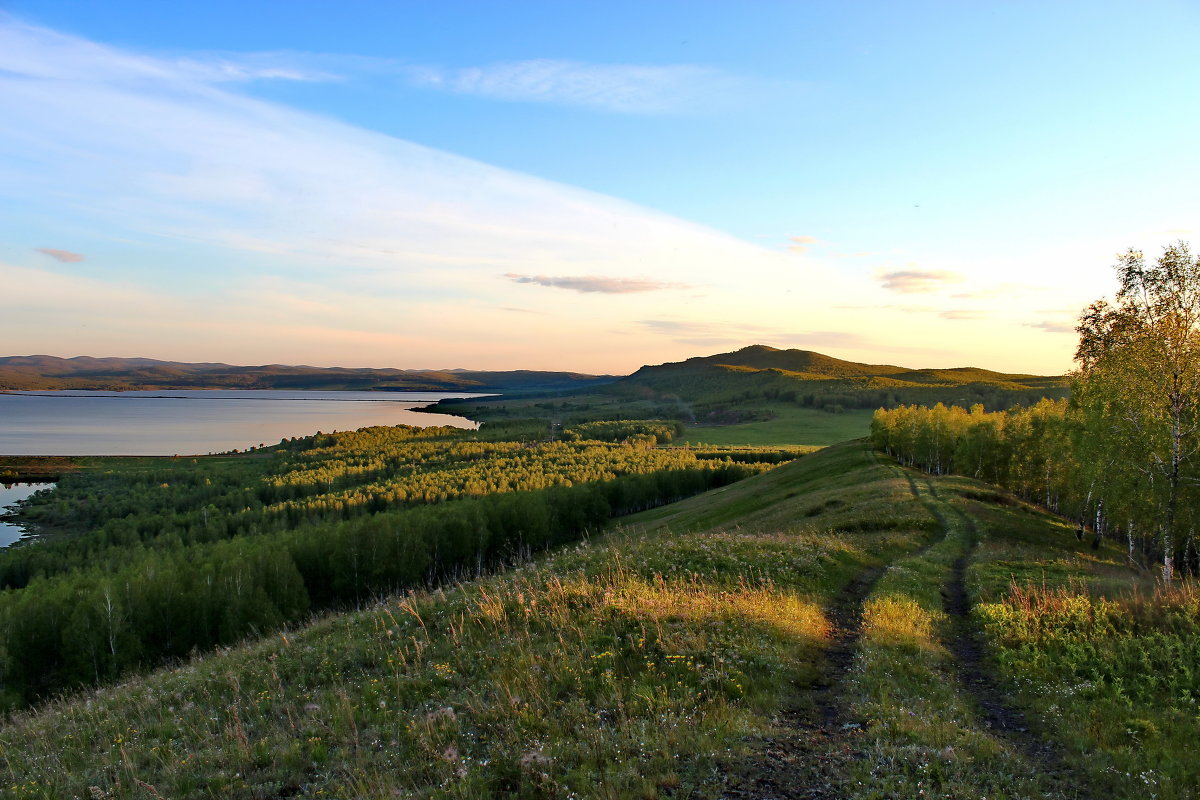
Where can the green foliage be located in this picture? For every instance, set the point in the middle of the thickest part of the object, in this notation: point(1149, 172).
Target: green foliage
point(171, 556)
point(1138, 397)
point(1110, 672)
point(1064, 456)
point(651, 431)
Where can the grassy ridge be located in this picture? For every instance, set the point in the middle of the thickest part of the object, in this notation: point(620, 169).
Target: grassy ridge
point(615, 669)
point(653, 660)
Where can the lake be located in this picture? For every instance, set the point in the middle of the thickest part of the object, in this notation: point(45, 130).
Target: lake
point(191, 422)
point(9, 497)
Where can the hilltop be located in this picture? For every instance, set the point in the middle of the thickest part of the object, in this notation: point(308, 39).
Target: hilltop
point(115, 374)
point(762, 364)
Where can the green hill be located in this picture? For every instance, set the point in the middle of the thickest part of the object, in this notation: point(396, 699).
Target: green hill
point(767, 368)
point(763, 395)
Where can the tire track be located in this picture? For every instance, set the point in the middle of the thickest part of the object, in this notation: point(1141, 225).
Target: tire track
point(965, 643)
point(799, 762)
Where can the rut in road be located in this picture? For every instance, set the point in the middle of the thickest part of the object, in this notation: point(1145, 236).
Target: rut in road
point(966, 646)
point(799, 762)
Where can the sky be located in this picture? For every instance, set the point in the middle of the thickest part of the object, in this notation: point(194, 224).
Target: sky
point(584, 186)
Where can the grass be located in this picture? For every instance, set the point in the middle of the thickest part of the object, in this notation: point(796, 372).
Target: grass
point(646, 661)
point(620, 668)
point(1106, 660)
point(776, 422)
point(922, 733)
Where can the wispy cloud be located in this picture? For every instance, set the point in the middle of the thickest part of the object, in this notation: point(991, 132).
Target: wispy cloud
point(37, 52)
point(596, 283)
point(962, 313)
point(913, 281)
point(65, 256)
point(623, 88)
point(800, 244)
point(243, 67)
point(1052, 327)
point(1000, 290)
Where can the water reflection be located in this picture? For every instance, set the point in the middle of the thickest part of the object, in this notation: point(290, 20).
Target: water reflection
point(164, 423)
point(10, 495)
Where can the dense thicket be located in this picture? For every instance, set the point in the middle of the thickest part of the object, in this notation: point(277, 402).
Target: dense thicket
point(184, 556)
point(648, 431)
point(321, 478)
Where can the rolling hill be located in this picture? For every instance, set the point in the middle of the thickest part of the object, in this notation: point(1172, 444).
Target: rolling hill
point(763, 395)
point(731, 383)
point(807, 366)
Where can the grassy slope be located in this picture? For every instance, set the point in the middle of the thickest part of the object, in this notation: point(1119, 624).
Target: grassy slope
point(621, 667)
point(613, 670)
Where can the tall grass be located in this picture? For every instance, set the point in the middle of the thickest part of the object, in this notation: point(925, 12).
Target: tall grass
point(1118, 678)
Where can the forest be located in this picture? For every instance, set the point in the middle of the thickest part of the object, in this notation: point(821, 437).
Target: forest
point(155, 559)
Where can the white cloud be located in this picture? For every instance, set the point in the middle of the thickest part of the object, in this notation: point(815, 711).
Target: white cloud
point(1051, 326)
point(132, 141)
point(623, 88)
point(199, 189)
point(596, 283)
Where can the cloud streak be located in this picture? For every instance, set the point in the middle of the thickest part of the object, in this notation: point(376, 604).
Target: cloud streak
point(65, 256)
point(1052, 327)
point(595, 283)
point(915, 281)
point(800, 244)
point(620, 88)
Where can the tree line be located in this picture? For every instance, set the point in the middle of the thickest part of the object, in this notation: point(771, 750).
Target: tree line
point(154, 573)
point(1122, 456)
point(323, 478)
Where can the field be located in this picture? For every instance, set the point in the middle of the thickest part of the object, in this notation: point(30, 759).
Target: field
point(834, 627)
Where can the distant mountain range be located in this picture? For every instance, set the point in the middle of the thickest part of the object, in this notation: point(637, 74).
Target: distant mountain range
point(753, 373)
point(116, 374)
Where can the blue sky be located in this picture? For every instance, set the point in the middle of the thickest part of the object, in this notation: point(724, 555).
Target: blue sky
point(584, 186)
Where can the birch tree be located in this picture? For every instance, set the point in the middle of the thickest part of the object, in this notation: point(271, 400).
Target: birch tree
point(1138, 387)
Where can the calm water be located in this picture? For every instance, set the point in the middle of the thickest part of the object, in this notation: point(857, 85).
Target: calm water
point(10, 496)
point(189, 422)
